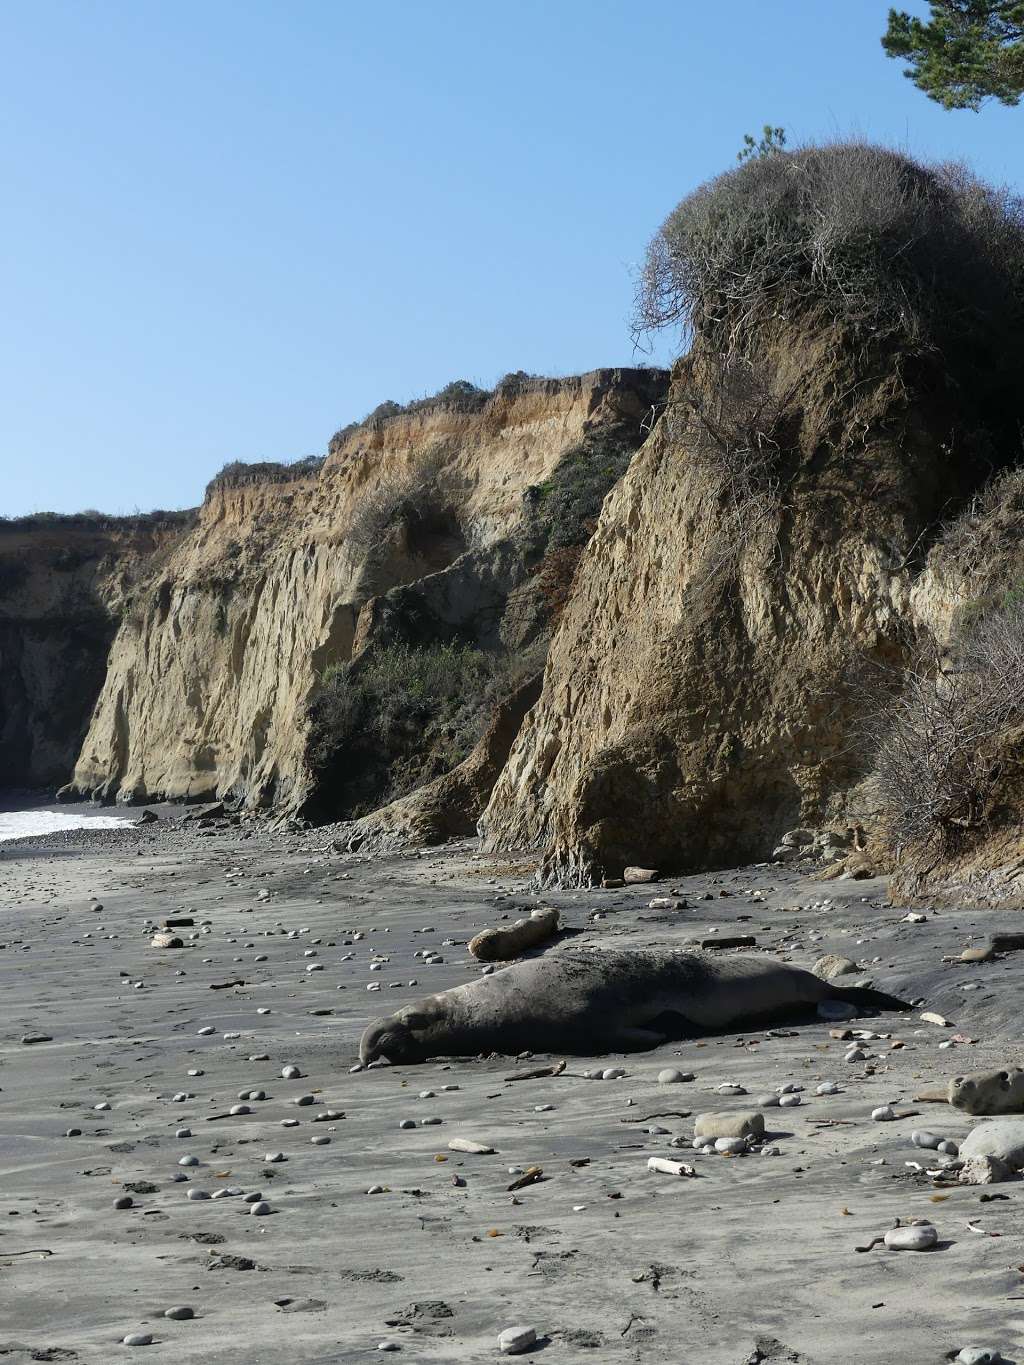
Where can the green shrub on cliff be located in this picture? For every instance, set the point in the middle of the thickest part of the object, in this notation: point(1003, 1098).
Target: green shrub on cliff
point(389, 721)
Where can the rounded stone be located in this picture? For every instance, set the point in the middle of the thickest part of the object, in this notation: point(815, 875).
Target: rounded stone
point(730, 1146)
point(124, 1202)
point(274, 1157)
point(514, 1340)
point(788, 1101)
point(198, 1194)
point(768, 1101)
point(916, 1237)
point(206, 1031)
point(407, 1123)
point(672, 1076)
point(188, 1161)
point(253, 1197)
point(883, 1114)
point(930, 1141)
point(259, 1209)
point(320, 1141)
point(237, 1110)
point(304, 1100)
point(827, 1088)
point(611, 1073)
point(181, 1313)
point(137, 1339)
point(979, 1355)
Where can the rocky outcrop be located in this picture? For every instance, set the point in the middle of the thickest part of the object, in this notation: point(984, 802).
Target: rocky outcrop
point(64, 585)
point(292, 570)
point(700, 695)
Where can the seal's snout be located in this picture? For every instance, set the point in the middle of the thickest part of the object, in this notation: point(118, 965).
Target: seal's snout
point(388, 1039)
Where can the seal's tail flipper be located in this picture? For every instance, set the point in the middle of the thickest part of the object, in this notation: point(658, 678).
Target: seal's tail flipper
point(868, 997)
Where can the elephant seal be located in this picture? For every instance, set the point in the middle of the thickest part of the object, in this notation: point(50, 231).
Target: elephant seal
point(989, 1092)
point(583, 1003)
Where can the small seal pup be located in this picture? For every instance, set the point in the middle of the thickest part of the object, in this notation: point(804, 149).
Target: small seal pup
point(584, 1003)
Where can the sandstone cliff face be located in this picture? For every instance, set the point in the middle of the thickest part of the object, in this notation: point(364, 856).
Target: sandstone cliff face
point(64, 583)
point(696, 701)
point(212, 669)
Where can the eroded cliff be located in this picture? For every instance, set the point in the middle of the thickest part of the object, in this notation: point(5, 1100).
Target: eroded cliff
point(408, 525)
point(64, 586)
point(701, 696)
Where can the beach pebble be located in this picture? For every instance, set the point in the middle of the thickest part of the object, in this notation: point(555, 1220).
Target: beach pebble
point(979, 1355)
point(827, 1088)
point(921, 1138)
point(73, 1132)
point(611, 1073)
point(388, 1346)
point(375, 1189)
point(124, 1202)
point(730, 1145)
point(259, 1209)
point(206, 1031)
point(304, 1100)
point(514, 1340)
point(431, 1122)
point(194, 1194)
point(730, 1088)
point(253, 1197)
point(916, 1237)
point(883, 1114)
point(320, 1141)
point(470, 1147)
point(948, 1148)
point(238, 1109)
point(671, 1076)
point(272, 1157)
point(855, 1055)
point(289, 1123)
point(188, 1161)
point(182, 1313)
point(137, 1339)
point(788, 1101)
point(291, 1073)
point(195, 1071)
point(407, 1123)
point(768, 1101)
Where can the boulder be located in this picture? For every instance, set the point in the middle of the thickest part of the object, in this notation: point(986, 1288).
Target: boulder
point(737, 1123)
point(833, 965)
point(983, 1170)
point(1002, 1138)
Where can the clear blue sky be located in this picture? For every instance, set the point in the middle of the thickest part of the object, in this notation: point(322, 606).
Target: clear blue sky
point(229, 228)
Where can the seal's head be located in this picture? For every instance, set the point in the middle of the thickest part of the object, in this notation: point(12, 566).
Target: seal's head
point(392, 1039)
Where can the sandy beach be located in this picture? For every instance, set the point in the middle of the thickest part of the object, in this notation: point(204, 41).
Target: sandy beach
point(752, 1260)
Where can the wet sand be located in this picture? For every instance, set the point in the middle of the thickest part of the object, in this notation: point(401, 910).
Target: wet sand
point(752, 1260)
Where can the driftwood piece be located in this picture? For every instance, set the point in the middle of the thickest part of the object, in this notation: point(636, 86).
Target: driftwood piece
point(500, 945)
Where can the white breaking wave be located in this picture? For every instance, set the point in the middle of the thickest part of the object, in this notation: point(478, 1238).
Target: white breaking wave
point(18, 824)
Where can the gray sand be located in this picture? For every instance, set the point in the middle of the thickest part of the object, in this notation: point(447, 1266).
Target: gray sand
point(754, 1260)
